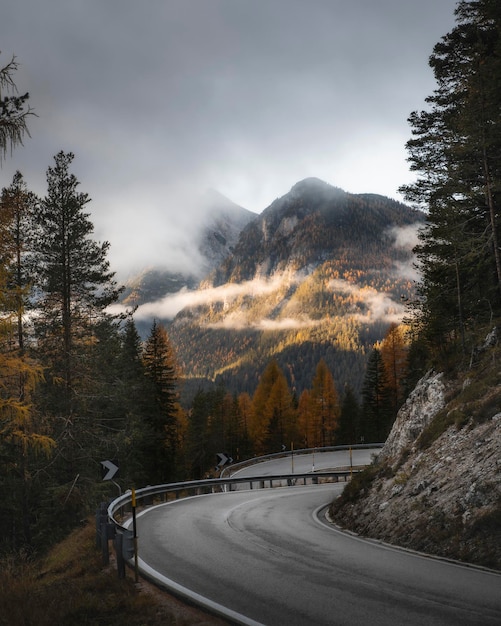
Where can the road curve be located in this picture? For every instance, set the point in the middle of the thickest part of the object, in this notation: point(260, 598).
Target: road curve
point(269, 559)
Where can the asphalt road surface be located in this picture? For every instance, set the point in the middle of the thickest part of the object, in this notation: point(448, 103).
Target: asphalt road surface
point(267, 558)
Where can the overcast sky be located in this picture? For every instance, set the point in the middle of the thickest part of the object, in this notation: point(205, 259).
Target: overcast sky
point(165, 98)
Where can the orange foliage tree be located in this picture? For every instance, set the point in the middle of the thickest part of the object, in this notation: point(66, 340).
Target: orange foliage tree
point(272, 421)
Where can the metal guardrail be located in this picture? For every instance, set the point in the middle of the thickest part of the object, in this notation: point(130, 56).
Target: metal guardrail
point(120, 508)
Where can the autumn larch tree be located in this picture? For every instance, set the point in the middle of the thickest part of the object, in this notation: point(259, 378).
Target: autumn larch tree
point(394, 352)
point(273, 417)
point(324, 403)
point(24, 438)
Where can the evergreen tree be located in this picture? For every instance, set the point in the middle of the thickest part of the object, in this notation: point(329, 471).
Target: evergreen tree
point(198, 454)
point(349, 418)
point(72, 272)
point(455, 149)
point(376, 409)
point(73, 287)
point(16, 227)
point(163, 414)
point(133, 390)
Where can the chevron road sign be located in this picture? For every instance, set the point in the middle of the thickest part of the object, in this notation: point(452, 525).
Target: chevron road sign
point(223, 459)
point(108, 470)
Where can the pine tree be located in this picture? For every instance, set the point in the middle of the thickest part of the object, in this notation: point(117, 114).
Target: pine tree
point(73, 288)
point(281, 430)
point(455, 149)
point(16, 227)
point(161, 371)
point(376, 409)
point(349, 418)
point(72, 272)
point(198, 455)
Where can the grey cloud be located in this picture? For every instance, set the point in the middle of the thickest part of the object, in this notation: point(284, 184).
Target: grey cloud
point(167, 97)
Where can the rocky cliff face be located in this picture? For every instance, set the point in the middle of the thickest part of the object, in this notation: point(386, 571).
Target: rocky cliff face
point(436, 486)
point(427, 399)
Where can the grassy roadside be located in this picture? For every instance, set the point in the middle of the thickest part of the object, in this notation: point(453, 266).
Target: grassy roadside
point(71, 587)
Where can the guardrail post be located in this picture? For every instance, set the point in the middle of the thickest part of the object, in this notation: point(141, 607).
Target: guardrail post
point(101, 518)
point(107, 533)
point(119, 555)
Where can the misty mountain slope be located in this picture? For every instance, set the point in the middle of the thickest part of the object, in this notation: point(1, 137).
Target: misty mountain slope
point(317, 275)
point(214, 238)
point(225, 220)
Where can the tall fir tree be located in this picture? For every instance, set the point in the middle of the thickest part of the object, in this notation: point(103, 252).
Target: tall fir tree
point(72, 272)
point(74, 286)
point(164, 410)
point(349, 418)
point(455, 151)
point(376, 406)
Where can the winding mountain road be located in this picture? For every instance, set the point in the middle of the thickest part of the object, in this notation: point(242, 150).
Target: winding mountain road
point(266, 557)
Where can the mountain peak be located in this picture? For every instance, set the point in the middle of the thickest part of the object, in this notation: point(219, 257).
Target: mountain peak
point(313, 184)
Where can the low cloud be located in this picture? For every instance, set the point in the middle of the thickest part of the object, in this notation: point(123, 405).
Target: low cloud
point(379, 306)
point(367, 304)
point(238, 321)
point(406, 238)
point(170, 305)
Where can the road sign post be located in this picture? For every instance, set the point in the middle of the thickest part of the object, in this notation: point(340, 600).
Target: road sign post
point(134, 530)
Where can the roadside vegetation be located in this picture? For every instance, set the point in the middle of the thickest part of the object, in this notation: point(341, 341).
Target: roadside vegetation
point(71, 587)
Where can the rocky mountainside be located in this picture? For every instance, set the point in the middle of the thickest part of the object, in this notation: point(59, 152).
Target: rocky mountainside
point(318, 274)
point(436, 486)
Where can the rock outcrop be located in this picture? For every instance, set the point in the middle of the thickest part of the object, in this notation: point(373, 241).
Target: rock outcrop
point(427, 399)
point(436, 486)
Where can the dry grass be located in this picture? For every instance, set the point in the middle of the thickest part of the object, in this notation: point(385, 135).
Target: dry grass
point(71, 587)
